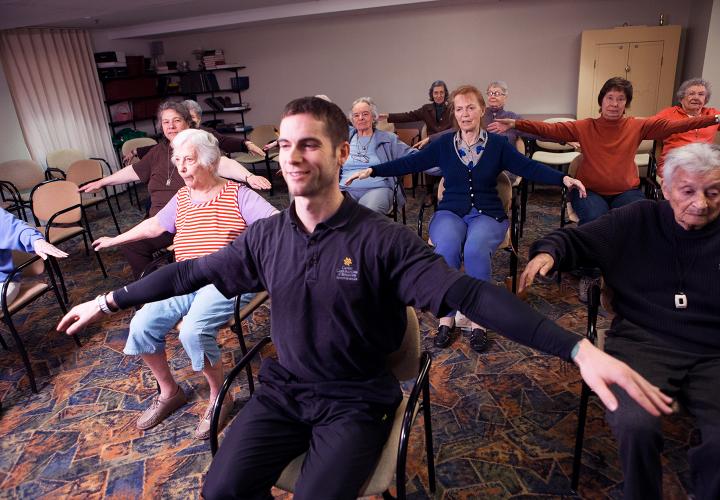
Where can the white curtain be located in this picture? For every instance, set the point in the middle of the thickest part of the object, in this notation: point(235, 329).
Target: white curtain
point(56, 91)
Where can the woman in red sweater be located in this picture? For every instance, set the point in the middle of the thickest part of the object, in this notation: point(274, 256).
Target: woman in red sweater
point(609, 144)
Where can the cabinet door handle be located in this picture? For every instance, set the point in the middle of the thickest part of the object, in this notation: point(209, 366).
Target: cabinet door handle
point(627, 69)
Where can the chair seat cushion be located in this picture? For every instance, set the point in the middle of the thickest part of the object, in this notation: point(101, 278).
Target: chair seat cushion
point(248, 158)
point(381, 477)
point(554, 158)
point(28, 293)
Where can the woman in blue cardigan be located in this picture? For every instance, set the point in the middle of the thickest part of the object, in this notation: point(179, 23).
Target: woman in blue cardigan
point(470, 221)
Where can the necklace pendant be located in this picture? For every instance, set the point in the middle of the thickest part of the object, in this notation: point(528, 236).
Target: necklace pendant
point(680, 301)
point(167, 182)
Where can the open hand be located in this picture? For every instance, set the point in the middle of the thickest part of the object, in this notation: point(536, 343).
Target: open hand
point(79, 317)
point(254, 149)
point(103, 242)
point(501, 125)
point(542, 263)
point(42, 249)
point(91, 187)
point(360, 174)
point(421, 144)
point(600, 370)
point(571, 184)
point(258, 181)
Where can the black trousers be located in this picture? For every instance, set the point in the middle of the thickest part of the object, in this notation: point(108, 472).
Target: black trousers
point(342, 435)
point(691, 378)
point(140, 253)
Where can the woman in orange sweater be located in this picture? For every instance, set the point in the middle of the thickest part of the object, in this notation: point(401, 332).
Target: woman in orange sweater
point(609, 144)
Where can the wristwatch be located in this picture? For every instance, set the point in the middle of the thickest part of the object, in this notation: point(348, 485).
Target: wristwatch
point(102, 303)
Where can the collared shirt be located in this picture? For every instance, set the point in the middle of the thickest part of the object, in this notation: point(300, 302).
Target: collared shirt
point(339, 293)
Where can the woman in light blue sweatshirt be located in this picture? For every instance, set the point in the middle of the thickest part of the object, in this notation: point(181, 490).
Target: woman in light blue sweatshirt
point(16, 235)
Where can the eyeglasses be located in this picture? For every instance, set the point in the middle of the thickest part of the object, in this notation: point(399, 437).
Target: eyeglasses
point(495, 93)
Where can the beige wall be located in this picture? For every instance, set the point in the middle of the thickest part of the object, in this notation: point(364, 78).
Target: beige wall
point(12, 143)
point(393, 56)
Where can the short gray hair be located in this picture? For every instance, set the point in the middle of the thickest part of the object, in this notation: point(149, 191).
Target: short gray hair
point(369, 101)
point(682, 90)
point(498, 84)
point(205, 144)
point(193, 106)
point(695, 158)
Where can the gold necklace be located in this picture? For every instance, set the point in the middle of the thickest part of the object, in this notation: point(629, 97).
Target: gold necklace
point(170, 168)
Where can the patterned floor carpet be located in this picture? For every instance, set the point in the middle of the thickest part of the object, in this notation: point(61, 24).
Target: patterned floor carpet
point(503, 421)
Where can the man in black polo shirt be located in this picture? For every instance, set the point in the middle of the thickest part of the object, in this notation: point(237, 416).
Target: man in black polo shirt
point(339, 276)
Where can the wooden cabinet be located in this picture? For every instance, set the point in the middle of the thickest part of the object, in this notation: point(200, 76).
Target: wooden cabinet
point(647, 56)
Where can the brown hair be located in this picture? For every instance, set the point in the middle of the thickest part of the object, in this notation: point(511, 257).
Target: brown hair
point(179, 108)
point(619, 84)
point(336, 125)
point(465, 90)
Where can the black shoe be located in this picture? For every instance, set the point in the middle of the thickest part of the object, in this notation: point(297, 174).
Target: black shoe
point(479, 341)
point(443, 338)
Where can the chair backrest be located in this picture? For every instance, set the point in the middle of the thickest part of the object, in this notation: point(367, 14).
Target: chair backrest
point(645, 146)
point(35, 269)
point(138, 142)
point(262, 134)
point(441, 189)
point(408, 135)
point(53, 196)
point(423, 131)
point(63, 158)
point(554, 146)
point(385, 126)
point(83, 171)
point(23, 174)
point(405, 362)
point(504, 189)
point(574, 165)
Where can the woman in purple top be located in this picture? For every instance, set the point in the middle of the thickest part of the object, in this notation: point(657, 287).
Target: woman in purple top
point(206, 214)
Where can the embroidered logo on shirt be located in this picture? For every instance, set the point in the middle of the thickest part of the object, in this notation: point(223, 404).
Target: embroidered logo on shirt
point(347, 272)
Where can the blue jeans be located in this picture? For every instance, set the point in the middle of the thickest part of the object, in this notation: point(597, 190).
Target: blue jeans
point(595, 205)
point(203, 312)
point(474, 237)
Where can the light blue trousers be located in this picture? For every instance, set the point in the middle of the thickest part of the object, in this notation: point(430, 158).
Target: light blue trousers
point(203, 312)
point(472, 238)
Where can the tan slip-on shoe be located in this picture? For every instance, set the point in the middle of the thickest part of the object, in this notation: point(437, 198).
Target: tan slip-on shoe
point(160, 409)
point(202, 431)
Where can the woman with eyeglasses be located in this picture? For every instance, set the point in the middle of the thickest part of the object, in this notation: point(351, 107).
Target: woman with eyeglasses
point(470, 221)
point(368, 147)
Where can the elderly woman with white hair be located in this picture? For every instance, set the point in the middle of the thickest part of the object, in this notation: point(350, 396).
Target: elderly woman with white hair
point(692, 97)
point(205, 215)
point(660, 259)
point(369, 147)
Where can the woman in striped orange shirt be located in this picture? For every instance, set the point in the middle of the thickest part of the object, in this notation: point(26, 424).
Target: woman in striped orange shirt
point(205, 215)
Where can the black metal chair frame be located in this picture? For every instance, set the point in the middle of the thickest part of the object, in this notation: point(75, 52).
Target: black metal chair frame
point(85, 229)
point(10, 193)
point(421, 387)
point(7, 316)
point(107, 200)
point(591, 335)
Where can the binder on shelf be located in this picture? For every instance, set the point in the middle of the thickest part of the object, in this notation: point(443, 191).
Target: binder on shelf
point(240, 83)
